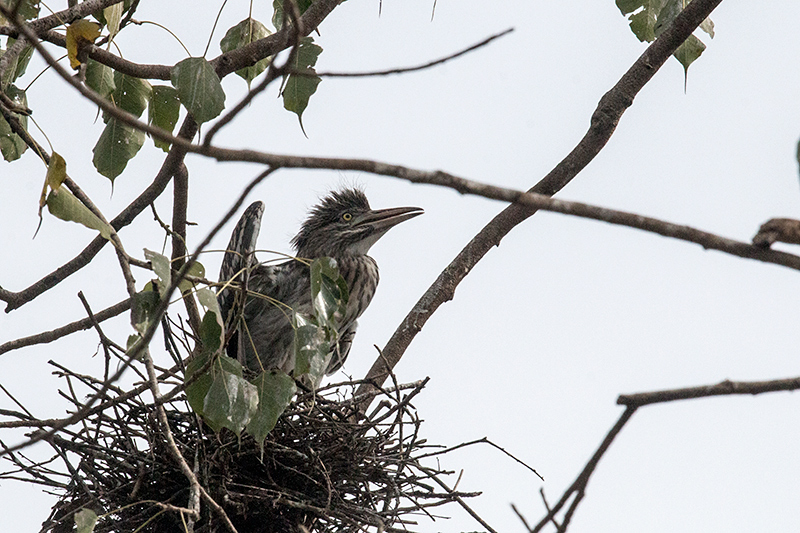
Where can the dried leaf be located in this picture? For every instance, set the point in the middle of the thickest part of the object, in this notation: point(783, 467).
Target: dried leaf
point(80, 33)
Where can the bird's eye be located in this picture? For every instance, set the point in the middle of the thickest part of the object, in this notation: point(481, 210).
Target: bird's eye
point(347, 217)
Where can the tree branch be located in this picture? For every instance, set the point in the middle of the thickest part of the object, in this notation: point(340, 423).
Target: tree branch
point(63, 331)
point(578, 487)
point(632, 402)
point(722, 388)
point(604, 120)
point(180, 205)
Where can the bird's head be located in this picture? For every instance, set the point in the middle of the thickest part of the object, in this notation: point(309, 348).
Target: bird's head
point(343, 224)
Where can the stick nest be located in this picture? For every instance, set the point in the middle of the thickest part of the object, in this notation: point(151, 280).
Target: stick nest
point(323, 468)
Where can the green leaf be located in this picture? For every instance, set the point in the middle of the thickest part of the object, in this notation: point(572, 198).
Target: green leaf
point(629, 6)
point(28, 9)
point(708, 27)
point(56, 171)
point(85, 520)
point(275, 392)
point(100, 15)
point(231, 401)
point(651, 17)
point(62, 204)
point(208, 300)
point(144, 307)
point(211, 331)
point(130, 93)
point(199, 88)
point(163, 111)
point(161, 268)
point(100, 78)
point(11, 145)
point(797, 154)
point(196, 390)
point(196, 270)
point(298, 89)
point(211, 339)
point(690, 50)
point(671, 9)
point(116, 146)
point(329, 292)
point(244, 33)
point(311, 349)
point(277, 15)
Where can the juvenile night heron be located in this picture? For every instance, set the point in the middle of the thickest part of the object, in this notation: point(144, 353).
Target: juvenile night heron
point(342, 227)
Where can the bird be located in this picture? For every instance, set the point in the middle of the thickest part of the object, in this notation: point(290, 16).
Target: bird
point(343, 227)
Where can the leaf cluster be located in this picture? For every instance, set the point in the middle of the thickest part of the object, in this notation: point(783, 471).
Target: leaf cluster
point(195, 84)
point(648, 18)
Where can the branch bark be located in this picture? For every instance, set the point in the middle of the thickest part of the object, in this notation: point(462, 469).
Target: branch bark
point(723, 388)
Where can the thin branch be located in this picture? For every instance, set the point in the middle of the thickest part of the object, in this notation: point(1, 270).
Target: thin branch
point(63, 331)
point(403, 70)
point(632, 402)
point(483, 440)
point(458, 499)
point(722, 388)
point(578, 487)
point(180, 205)
point(272, 74)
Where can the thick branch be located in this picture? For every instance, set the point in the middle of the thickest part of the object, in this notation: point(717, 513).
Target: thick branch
point(180, 205)
point(604, 121)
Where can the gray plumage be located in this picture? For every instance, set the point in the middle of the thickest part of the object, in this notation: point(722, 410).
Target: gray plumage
point(343, 227)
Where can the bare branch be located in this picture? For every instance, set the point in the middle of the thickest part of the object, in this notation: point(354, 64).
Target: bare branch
point(272, 74)
point(578, 487)
point(180, 205)
point(632, 402)
point(720, 389)
point(63, 331)
point(403, 70)
point(604, 121)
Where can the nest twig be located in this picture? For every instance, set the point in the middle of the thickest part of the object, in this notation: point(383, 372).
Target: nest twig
point(323, 468)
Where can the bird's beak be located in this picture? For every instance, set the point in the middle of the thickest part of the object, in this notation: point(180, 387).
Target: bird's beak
point(381, 220)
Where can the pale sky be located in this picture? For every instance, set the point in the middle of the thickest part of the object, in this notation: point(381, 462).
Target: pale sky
point(554, 324)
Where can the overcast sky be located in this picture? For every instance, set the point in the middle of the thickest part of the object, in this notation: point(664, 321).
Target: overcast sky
point(559, 320)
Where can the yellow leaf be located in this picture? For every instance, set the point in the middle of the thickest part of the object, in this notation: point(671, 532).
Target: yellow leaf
point(56, 174)
point(80, 33)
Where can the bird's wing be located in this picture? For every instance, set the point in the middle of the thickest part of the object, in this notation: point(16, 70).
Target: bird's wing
point(274, 293)
point(239, 256)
